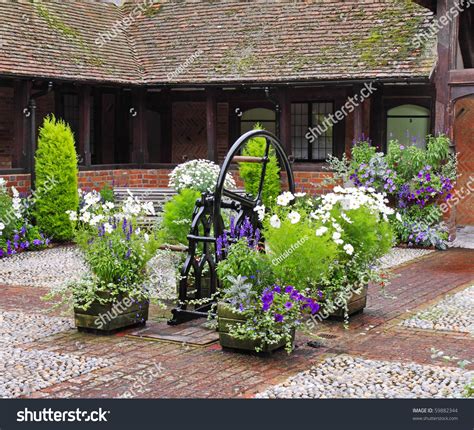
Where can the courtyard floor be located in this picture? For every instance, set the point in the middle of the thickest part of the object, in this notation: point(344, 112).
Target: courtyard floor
point(385, 352)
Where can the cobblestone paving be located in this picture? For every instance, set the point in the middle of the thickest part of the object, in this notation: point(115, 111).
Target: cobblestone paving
point(398, 256)
point(25, 369)
point(210, 372)
point(46, 268)
point(20, 327)
point(345, 376)
point(453, 313)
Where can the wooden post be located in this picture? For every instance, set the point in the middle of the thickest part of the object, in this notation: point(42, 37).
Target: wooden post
point(84, 144)
point(211, 125)
point(21, 96)
point(358, 117)
point(140, 136)
point(166, 153)
point(285, 120)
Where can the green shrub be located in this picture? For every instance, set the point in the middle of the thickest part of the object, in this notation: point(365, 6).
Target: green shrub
point(107, 193)
point(56, 179)
point(177, 216)
point(251, 172)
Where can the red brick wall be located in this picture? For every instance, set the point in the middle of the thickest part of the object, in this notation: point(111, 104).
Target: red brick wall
point(6, 127)
point(310, 182)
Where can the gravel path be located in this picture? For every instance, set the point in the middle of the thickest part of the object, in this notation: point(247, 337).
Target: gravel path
point(345, 376)
point(23, 371)
point(453, 313)
point(47, 268)
point(18, 327)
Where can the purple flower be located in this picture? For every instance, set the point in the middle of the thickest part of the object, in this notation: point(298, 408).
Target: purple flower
point(288, 305)
point(278, 318)
point(127, 255)
point(289, 289)
point(277, 289)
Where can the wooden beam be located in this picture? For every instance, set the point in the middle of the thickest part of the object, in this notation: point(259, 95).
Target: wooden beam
point(211, 125)
point(140, 137)
point(84, 144)
point(22, 90)
point(285, 120)
point(358, 119)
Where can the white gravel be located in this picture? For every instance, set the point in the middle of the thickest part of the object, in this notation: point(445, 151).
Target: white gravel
point(56, 267)
point(398, 256)
point(25, 371)
point(47, 268)
point(464, 238)
point(345, 376)
point(453, 313)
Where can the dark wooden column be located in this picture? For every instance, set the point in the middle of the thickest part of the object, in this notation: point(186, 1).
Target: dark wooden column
point(84, 144)
point(22, 90)
point(211, 125)
point(285, 120)
point(358, 116)
point(166, 110)
point(140, 137)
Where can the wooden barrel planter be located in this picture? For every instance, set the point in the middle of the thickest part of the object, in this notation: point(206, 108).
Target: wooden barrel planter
point(356, 304)
point(111, 317)
point(227, 317)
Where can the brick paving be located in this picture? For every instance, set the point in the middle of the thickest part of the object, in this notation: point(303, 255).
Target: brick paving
point(152, 369)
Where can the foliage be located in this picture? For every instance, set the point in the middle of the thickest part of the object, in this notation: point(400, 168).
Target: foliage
point(177, 214)
point(198, 175)
point(107, 193)
point(329, 243)
point(115, 249)
point(416, 181)
point(271, 316)
point(56, 158)
point(251, 172)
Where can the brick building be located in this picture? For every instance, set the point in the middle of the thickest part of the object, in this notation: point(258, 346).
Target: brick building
point(145, 86)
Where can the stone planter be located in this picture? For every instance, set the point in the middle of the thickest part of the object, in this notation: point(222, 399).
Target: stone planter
point(227, 318)
point(356, 304)
point(111, 317)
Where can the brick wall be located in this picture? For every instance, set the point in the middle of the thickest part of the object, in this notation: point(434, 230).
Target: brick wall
point(311, 182)
point(6, 127)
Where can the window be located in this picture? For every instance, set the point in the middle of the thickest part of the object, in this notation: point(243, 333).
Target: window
point(266, 117)
point(71, 112)
point(305, 116)
point(408, 124)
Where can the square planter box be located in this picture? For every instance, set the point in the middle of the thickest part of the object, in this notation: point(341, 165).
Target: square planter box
point(227, 318)
point(356, 304)
point(111, 317)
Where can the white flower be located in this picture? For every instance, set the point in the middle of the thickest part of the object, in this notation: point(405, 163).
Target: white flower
point(294, 217)
point(86, 217)
point(339, 241)
point(146, 237)
point(260, 211)
point(108, 228)
point(148, 208)
point(300, 194)
point(96, 219)
point(336, 235)
point(398, 217)
point(2, 226)
point(72, 215)
point(285, 198)
point(109, 205)
point(321, 230)
point(275, 221)
point(346, 218)
point(349, 248)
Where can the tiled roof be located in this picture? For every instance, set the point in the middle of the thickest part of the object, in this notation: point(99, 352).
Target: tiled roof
point(56, 39)
point(216, 41)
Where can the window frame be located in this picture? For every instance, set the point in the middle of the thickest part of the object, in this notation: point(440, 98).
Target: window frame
point(309, 104)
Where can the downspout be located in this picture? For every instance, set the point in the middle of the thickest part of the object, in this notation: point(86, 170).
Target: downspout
point(32, 149)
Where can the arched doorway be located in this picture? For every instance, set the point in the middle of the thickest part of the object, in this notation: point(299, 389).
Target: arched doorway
point(464, 141)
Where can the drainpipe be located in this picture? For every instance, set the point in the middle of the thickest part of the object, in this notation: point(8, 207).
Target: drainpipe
point(32, 113)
